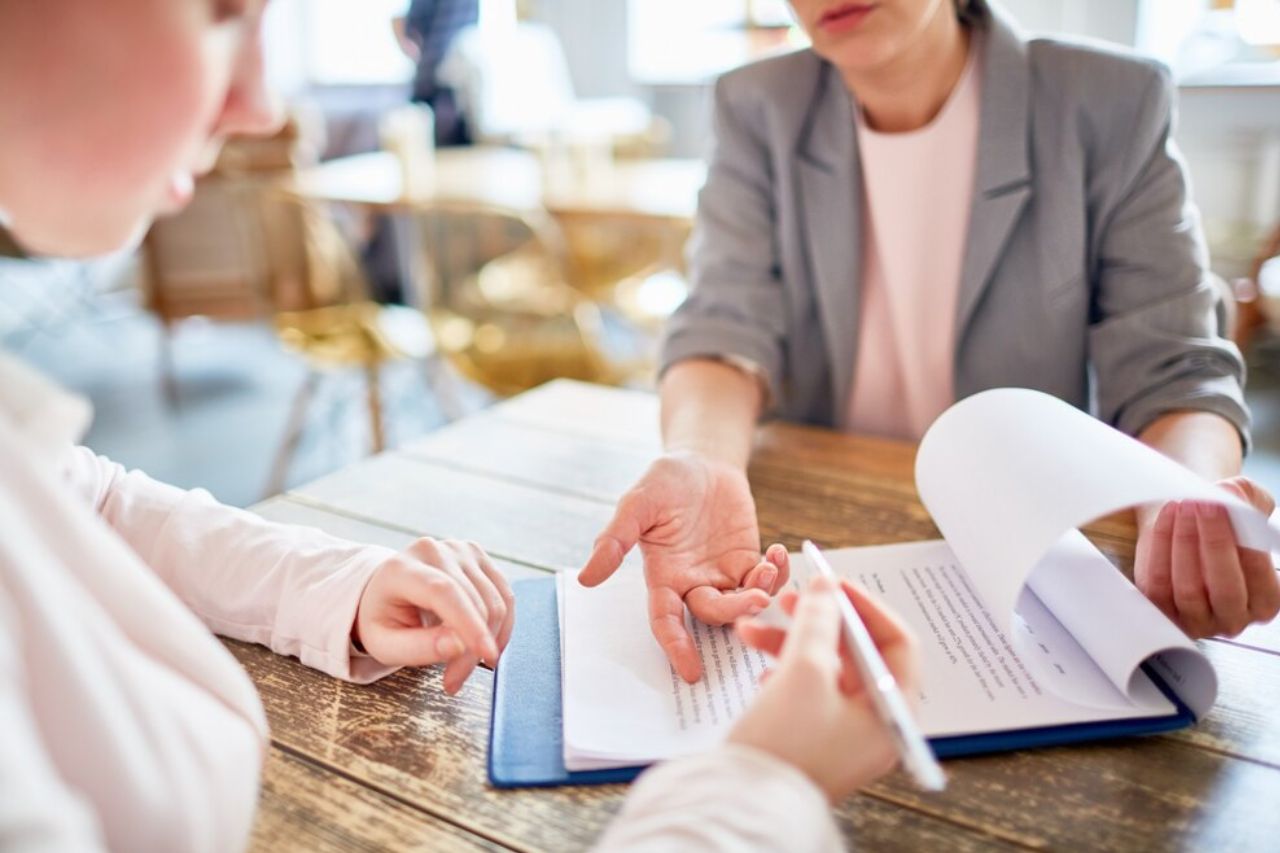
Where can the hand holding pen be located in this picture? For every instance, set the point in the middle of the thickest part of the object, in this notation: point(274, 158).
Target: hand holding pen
point(814, 711)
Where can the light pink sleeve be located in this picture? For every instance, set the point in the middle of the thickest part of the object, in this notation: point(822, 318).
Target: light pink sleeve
point(733, 798)
point(294, 589)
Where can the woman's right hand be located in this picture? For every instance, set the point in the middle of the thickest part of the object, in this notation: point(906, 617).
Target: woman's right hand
point(813, 711)
point(695, 522)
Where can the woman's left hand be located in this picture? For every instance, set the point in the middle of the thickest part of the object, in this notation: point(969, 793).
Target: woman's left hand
point(438, 601)
point(1189, 565)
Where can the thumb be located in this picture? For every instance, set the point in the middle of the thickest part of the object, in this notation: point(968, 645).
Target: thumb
point(630, 521)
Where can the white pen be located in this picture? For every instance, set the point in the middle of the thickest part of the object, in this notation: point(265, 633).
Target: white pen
point(917, 757)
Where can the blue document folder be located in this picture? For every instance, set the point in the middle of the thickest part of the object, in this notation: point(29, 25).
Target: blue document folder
point(526, 735)
point(526, 732)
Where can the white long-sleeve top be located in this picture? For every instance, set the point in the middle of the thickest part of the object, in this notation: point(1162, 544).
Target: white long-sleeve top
point(123, 722)
point(734, 798)
point(125, 725)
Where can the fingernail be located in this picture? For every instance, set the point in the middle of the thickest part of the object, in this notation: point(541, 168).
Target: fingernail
point(755, 609)
point(448, 646)
point(767, 578)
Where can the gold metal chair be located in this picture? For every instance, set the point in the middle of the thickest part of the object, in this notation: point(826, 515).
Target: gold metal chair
point(632, 264)
point(500, 307)
point(325, 316)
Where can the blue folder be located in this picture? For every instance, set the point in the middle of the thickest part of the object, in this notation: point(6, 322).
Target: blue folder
point(526, 735)
point(526, 732)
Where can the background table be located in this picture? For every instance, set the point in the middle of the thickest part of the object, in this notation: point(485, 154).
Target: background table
point(644, 193)
point(511, 178)
point(400, 765)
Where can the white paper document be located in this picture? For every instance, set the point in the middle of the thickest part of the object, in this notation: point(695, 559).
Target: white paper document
point(1022, 623)
point(623, 703)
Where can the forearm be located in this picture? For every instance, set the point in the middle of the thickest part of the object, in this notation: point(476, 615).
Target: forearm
point(294, 589)
point(711, 408)
point(1206, 443)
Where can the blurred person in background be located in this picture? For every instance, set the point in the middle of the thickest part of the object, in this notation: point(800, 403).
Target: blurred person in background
point(425, 33)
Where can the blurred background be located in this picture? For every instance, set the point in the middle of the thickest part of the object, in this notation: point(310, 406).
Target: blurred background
point(472, 197)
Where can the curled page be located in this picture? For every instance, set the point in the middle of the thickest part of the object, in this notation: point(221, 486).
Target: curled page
point(1115, 624)
point(1009, 474)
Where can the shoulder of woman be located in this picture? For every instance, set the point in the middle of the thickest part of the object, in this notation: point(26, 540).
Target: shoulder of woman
point(771, 96)
point(776, 80)
point(1095, 77)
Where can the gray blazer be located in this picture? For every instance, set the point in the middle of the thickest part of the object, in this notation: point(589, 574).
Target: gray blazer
point(1085, 270)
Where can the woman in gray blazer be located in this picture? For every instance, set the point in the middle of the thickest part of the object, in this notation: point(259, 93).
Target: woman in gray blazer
point(1079, 269)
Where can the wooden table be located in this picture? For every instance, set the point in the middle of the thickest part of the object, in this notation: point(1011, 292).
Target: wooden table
point(400, 765)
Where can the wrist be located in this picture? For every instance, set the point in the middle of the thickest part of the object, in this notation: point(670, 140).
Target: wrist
point(710, 452)
point(763, 754)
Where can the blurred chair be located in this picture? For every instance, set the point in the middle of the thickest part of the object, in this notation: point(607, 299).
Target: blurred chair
point(248, 247)
point(203, 262)
point(634, 265)
point(209, 259)
point(513, 84)
point(324, 315)
point(500, 307)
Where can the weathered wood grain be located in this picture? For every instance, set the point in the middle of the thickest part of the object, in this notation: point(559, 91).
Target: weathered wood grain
point(511, 520)
point(405, 737)
point(1133, 794)
point(592, 467)
point(306, 807)
point(615, 414)
point(1245, 722)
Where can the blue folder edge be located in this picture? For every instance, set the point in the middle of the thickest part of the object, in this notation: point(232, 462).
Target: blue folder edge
point(526, 740)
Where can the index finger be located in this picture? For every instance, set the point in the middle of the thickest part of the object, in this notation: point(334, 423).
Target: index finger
point(443, 596)
point(666, 620)
point(624, 530)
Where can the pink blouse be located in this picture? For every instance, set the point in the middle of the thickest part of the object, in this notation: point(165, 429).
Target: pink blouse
point(918, 188)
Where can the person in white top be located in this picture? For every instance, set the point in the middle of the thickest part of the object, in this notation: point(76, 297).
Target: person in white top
point(125, 724)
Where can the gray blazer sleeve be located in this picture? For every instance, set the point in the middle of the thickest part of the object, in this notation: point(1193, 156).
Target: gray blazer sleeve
point(737, 306)
point(1154, 339)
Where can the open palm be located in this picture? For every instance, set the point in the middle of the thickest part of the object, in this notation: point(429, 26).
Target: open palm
point(695, 522)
